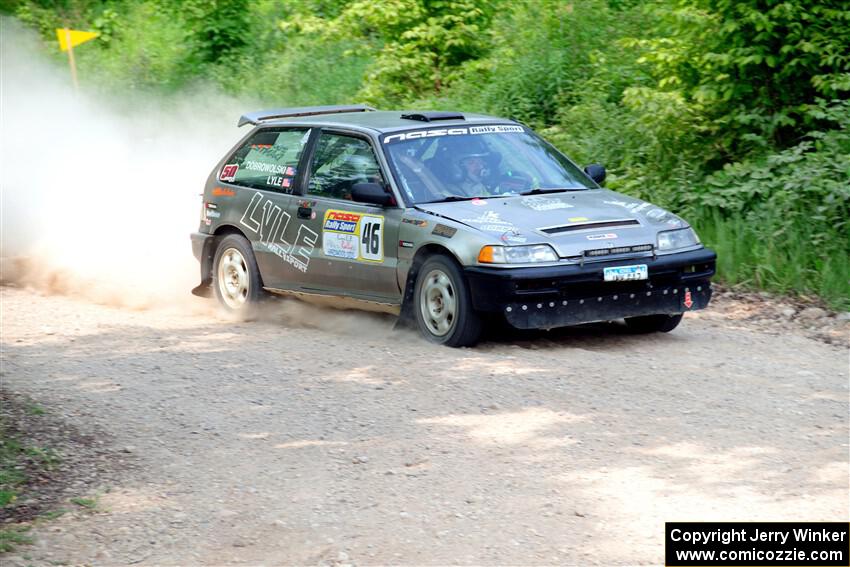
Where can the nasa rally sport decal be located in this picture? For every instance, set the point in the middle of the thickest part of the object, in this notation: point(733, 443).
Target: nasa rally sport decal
point(354, 236)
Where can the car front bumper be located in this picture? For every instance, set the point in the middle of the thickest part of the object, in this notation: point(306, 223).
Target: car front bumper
point(556, 296)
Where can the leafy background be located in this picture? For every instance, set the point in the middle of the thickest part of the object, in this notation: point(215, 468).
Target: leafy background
point(733, 113)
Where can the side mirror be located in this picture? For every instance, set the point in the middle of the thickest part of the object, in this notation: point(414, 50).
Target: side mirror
point(595, 172)
point(373, 193)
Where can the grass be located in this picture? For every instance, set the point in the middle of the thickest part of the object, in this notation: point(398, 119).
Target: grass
point(16, 458)
point(89, 503)
point(779, 256)
point(10, 538)
point(53, 515)
point(11, 478)
point(35, 409)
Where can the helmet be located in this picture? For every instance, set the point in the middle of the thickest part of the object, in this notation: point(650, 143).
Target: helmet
point(460, 153)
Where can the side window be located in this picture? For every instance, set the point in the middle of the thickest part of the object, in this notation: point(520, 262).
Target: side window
point(267, 160)
point(339, 162)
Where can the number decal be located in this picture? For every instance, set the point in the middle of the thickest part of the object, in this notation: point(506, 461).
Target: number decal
point(372, 238)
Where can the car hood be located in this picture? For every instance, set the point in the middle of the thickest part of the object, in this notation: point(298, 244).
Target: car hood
point(572, 222)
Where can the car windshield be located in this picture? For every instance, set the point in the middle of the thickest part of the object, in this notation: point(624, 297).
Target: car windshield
point(446, 164)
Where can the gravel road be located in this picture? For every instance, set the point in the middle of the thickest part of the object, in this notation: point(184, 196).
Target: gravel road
point(321, 437)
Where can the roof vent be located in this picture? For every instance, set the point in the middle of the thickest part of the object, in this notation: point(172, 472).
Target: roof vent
point(432, 115)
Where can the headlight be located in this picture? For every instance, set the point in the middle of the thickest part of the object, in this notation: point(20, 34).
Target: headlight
point(676, 239)
point(517, 254)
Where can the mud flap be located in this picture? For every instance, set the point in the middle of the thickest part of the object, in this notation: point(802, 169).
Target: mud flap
point(204, 289)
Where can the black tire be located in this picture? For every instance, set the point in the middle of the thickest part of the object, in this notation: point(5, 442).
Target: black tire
point(653, 323)
point(241, 290)
point(444, 285)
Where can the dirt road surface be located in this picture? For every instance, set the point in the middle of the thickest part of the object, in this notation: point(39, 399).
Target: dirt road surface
point(342, 441)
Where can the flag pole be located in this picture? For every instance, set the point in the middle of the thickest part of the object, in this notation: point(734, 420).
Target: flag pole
point(71, 59)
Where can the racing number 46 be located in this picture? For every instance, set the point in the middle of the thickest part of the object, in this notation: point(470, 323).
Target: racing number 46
point(371, 241)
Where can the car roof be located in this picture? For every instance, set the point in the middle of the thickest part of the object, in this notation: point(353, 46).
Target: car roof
point(383, 121)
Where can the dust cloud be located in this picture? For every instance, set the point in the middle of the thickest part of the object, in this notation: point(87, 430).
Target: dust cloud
point(99, 195)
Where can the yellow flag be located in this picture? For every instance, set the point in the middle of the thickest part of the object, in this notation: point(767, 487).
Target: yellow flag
point(76, 37)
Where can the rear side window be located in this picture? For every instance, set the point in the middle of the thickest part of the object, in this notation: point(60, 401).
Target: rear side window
point(268, 160)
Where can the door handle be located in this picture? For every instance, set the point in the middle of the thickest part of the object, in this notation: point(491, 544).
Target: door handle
point(305, 212)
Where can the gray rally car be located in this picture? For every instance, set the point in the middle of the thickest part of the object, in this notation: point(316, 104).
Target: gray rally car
point(446, 219)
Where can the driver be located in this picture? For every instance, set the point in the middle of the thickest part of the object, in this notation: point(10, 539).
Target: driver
point(466, 165)
point(474, 172)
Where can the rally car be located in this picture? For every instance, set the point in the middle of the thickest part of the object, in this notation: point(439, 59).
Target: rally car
point(447, 219)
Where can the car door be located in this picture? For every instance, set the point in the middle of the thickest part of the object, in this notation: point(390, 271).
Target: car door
point(356, 252)
point(259, 180)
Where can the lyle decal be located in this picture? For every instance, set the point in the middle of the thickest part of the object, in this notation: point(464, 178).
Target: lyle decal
point(688, 301)
point(268, 222)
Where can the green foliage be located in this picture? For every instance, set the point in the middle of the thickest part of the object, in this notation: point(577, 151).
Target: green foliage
point(751, 66)
point(419, 46)
point(731, 112)
point(217, 27)
point(788, 213)
point(148, 49)
point(546, 56)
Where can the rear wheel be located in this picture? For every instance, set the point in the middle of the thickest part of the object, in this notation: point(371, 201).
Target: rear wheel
point(654, 323)
point(236, 277)
point(443, 304)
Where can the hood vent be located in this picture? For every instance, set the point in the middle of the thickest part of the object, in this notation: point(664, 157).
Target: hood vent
point(588, 226)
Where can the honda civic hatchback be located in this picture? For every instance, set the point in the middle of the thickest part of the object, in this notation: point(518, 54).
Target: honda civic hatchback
point(445, 219)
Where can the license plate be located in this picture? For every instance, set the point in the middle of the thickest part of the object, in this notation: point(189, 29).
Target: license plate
point(626, 273)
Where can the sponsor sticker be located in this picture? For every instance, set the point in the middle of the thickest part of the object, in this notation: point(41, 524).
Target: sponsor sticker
point(354, 236)
point(223, 192)
point(228, 172)
point(478, 202)
point(337, 245)
point(415, 222)
point(578, 219)
point(688, 301)
point(513, 238)
point(341, 221)
point(608, 236)
point(461, 131)
point(405, 244)
point(489, 217)
point(444, 231)
point(545, 203)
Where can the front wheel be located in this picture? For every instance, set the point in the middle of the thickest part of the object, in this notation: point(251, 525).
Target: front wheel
point(653, 323)
point(443, 304)
point(236, 277)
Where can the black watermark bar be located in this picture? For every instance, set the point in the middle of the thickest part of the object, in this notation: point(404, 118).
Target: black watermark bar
point(762, 544)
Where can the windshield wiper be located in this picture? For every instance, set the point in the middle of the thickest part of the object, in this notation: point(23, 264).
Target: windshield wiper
point(544, 190)
point(451, 198)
